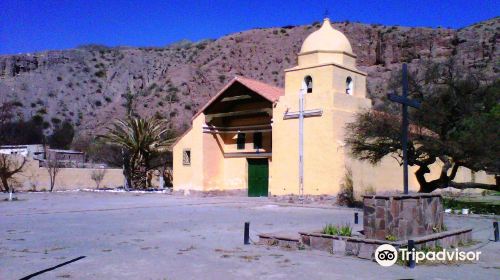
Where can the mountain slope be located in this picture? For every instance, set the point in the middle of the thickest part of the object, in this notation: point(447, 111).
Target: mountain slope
point(88, 85)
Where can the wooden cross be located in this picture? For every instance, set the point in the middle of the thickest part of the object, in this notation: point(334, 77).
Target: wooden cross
point(405, 102)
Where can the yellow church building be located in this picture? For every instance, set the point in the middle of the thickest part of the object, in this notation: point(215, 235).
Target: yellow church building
point(251, 138)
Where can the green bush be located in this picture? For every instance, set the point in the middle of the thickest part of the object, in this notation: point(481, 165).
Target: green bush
point(477, 207)
point(100, 74)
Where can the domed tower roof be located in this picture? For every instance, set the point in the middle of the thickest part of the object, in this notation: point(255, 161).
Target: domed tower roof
point(326, 39)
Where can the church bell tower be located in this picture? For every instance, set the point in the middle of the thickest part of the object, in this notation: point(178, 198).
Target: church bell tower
point(334, 90)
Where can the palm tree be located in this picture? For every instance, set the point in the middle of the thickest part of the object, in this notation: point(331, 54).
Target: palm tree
point(141, 140)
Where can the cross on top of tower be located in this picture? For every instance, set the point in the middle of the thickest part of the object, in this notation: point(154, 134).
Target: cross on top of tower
point(326, 14)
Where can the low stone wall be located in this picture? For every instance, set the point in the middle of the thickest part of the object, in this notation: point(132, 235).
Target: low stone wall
point(351, 246)
point(279, 240)
point(363, 247)
point(402, 216)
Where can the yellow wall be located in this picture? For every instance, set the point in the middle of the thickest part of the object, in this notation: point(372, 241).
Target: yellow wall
point(316, 57)
point(235, 174)
point(213, 162)
point(190, 177)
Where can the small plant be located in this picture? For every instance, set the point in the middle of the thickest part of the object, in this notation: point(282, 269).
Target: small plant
point(98, 176)
point(344, 230)
point(330, 230)
point(345, 197)
point(438, 229)
point(391, 237)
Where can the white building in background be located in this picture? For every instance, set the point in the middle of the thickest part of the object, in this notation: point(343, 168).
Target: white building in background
point(35, 151)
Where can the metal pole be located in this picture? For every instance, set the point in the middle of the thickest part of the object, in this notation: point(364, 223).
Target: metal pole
point(495, 226)
point(405, 129)
point(246, 236)
point(411, 260)
point(125, 185)
point(301, 143)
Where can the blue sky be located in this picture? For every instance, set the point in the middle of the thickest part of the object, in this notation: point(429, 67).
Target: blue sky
point(28, 26)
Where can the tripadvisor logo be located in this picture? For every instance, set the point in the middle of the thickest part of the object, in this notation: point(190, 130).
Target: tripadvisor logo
point(387, 255)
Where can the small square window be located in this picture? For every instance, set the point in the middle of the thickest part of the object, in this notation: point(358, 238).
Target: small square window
point(257, 140)
point(240, 141)
point(186, 157)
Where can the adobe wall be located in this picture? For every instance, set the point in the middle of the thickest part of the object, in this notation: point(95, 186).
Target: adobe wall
point(37, 178)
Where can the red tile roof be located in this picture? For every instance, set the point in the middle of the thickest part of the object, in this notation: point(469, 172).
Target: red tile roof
point(269, 92)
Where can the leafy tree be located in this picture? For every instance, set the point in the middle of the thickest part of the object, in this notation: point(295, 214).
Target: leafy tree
point(141, 141)
point(14, 130)
point(62, 136)
point(7, 113)
point(21, 132)
point(98, 151)
point(457, 124)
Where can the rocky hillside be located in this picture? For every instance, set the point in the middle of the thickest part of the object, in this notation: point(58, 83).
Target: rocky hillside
point(88, 85)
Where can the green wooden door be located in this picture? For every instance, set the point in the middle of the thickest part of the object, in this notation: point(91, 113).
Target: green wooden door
point(258, 177)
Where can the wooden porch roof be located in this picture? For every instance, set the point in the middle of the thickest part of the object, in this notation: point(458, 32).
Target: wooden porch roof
point(268, 92)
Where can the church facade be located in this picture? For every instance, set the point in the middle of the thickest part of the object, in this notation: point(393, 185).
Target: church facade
point(250, 139)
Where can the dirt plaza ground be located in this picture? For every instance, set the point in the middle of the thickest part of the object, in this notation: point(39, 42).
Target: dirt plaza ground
point(160, 236)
